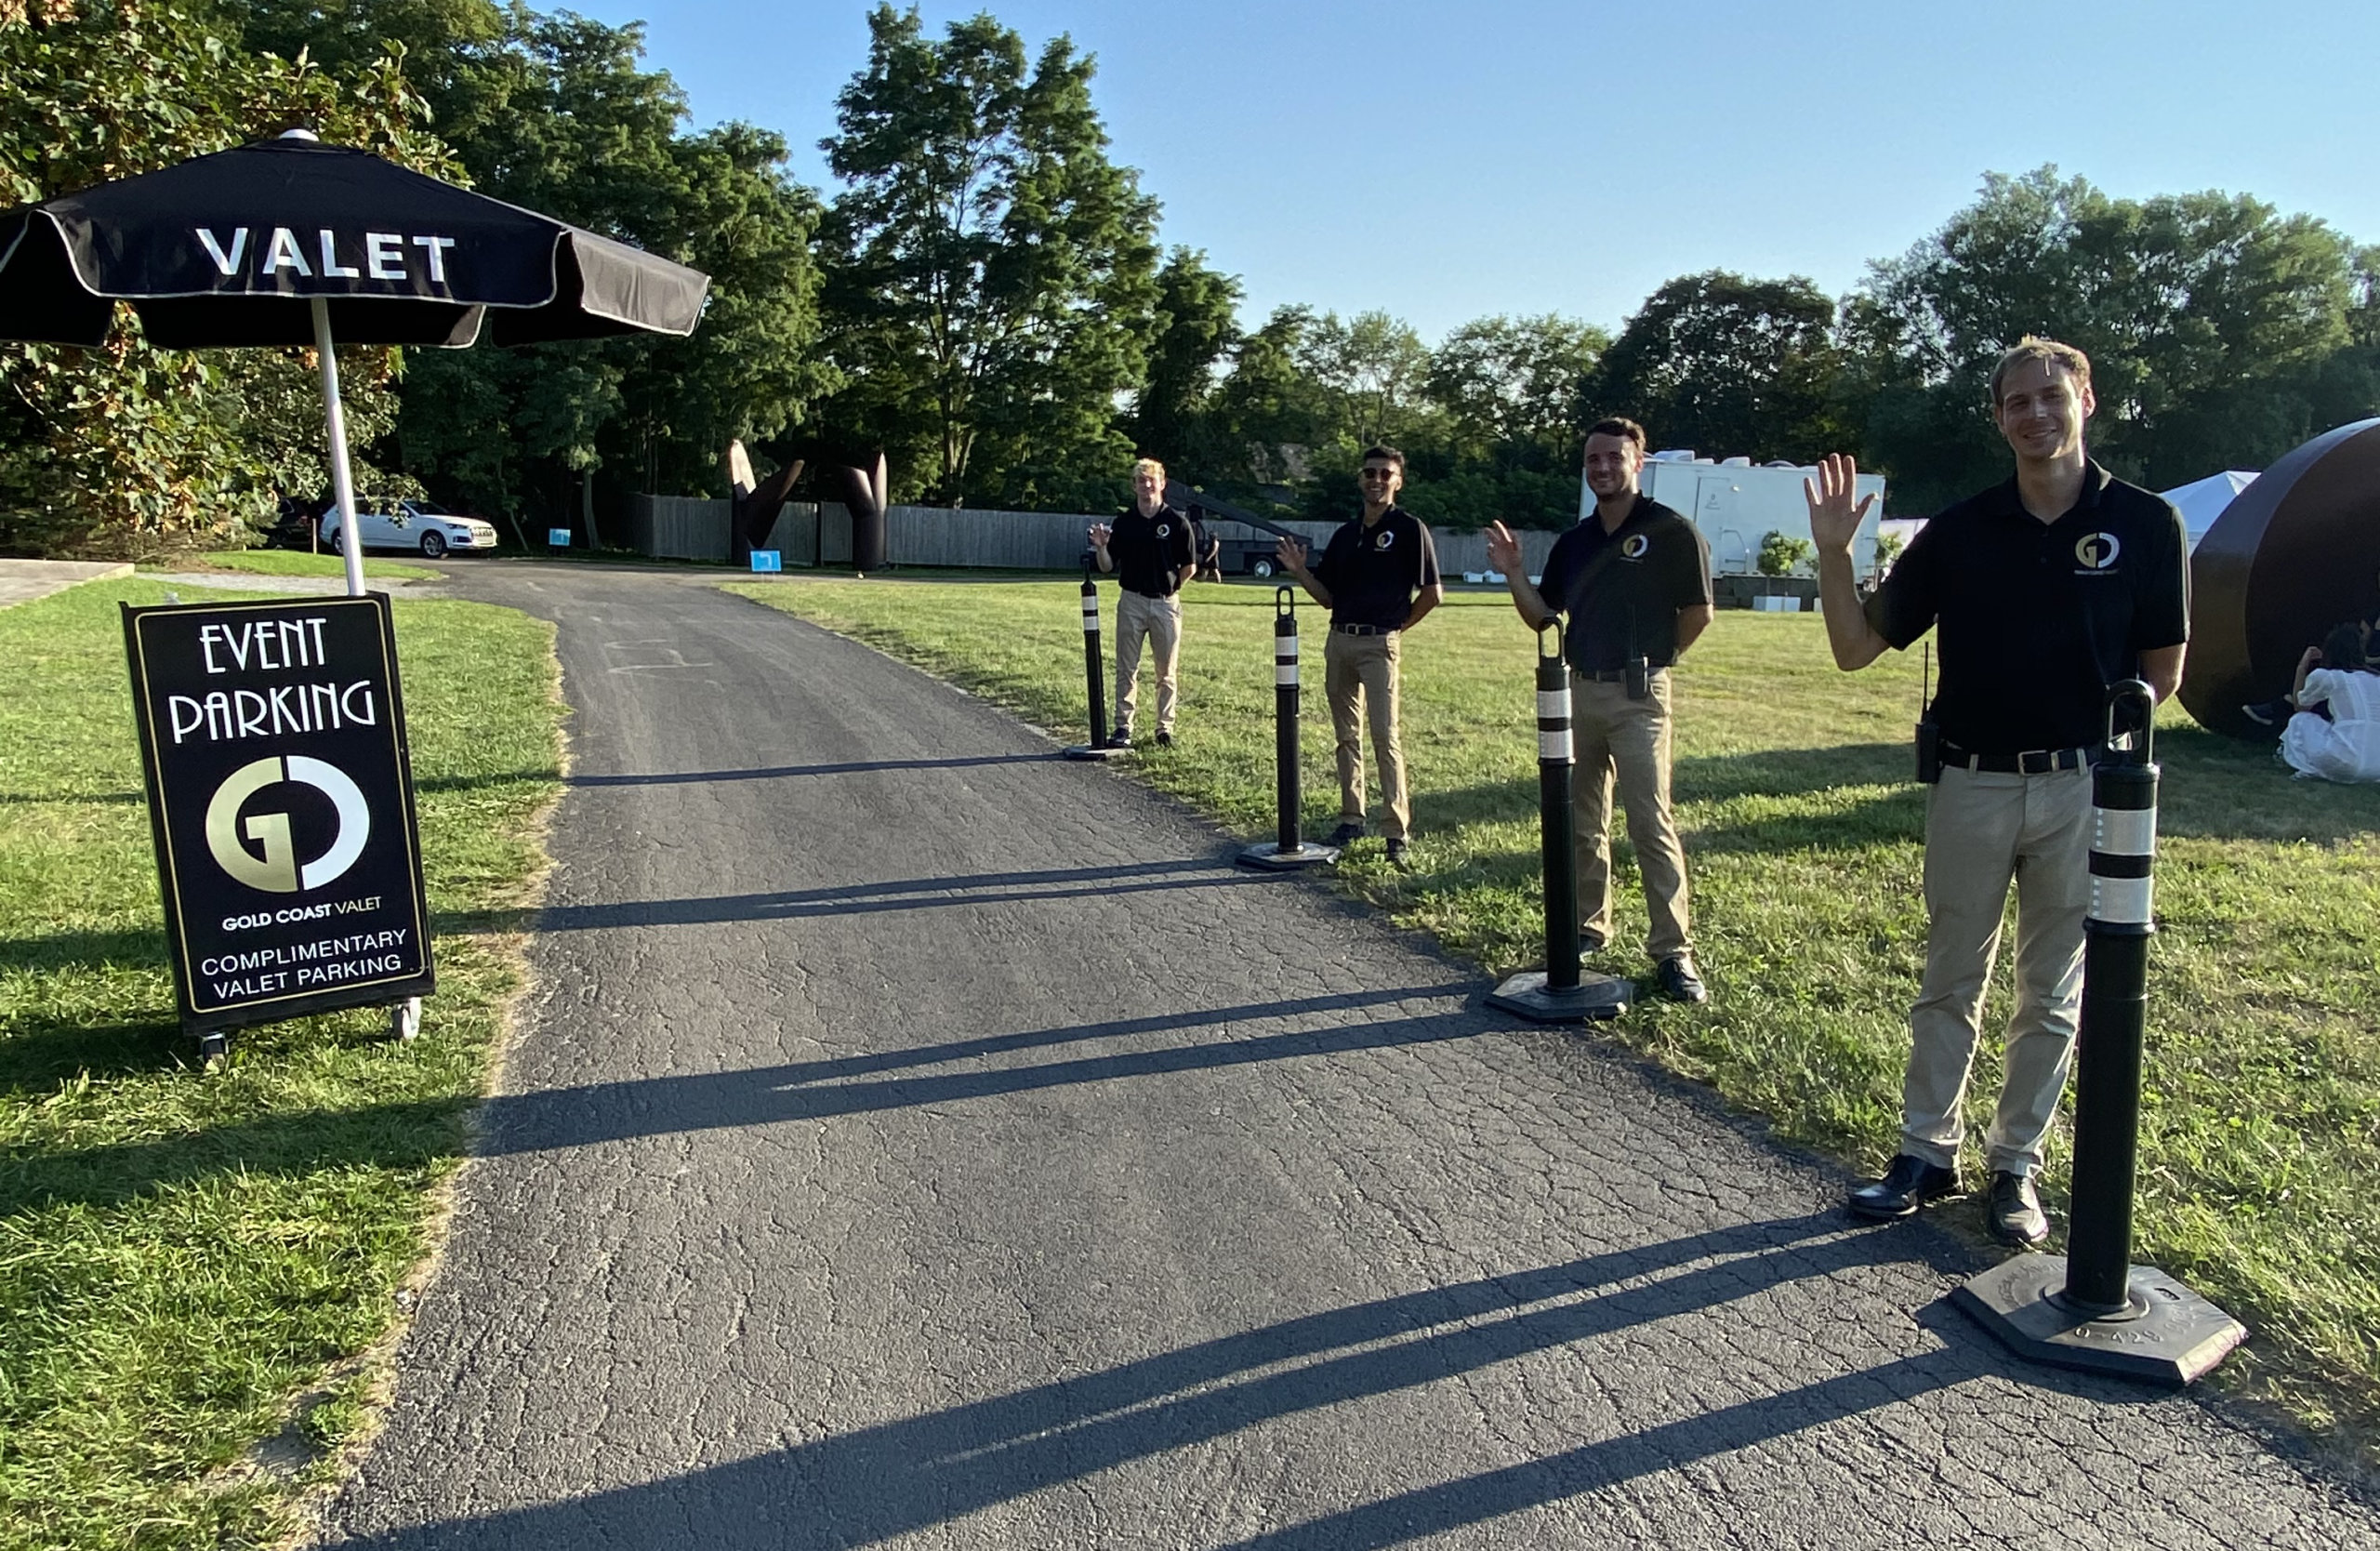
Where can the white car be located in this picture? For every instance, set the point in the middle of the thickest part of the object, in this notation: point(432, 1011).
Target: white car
point(412, 525)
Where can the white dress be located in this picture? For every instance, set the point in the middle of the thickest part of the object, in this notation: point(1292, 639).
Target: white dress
point(2346, 748)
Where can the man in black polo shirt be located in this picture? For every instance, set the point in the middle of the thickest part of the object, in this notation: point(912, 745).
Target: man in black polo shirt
point(1150, 545)
point(1378, 576)
point(1635, 580)
point(2043, 591)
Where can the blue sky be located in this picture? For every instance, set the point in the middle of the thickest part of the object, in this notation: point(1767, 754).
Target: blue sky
point(1446, 161)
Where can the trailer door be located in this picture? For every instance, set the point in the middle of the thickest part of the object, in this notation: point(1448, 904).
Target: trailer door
point(1717, 511)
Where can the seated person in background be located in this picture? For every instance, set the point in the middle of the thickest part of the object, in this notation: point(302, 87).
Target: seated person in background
point(2335, 734)
point(2273, 713)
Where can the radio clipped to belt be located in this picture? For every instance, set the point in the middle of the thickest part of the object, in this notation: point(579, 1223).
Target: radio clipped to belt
point(1929, 735)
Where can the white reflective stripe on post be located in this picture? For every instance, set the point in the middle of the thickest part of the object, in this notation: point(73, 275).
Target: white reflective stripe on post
point(1553, 748)
point(1091, 616)
point(2121, 901)
point(1285, 671)
point(2124, 831)
point(1554, 705)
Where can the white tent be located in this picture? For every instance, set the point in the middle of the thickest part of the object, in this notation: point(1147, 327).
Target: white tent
point(2204, 500)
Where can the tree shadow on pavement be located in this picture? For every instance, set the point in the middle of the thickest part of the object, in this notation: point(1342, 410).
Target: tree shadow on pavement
point(306, 1141)
point(788, 772)
point(907, 893)
point(898, 1477)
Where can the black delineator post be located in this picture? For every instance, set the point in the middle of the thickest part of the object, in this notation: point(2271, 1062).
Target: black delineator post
point(1289, 848)
point(1558, 993)
point(2092, 1307)
point(1093, 673)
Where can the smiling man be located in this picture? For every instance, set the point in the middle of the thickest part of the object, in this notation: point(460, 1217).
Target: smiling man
point(1150, 545)
point(1379, 577)
point(1635, 579)
point(2043, 591)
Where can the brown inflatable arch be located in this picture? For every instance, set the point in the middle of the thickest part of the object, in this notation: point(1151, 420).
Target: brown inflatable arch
point(2293, 554)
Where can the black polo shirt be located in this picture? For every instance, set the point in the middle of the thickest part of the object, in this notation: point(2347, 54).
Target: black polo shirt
point(1150, 551)
point(1371, 572)
point(1621, 590)
point(2036, 619)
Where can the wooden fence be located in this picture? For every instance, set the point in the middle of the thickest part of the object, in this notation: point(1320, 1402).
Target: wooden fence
point(809, 533)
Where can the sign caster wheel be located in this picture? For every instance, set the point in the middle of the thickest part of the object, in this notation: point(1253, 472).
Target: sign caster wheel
point(405, 1019)
point(213, 1046)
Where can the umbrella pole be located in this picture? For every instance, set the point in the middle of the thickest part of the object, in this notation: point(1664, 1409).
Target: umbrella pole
point(405, 1017)
point(342, 482)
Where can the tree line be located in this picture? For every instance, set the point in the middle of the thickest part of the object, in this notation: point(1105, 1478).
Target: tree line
point(983, 299)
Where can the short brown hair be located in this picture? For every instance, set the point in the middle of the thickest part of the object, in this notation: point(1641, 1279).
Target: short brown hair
point(1386, 454)
point(2032, 347)
point(1619, 426)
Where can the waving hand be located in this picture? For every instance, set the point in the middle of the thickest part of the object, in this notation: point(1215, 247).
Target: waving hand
point(1834, 519)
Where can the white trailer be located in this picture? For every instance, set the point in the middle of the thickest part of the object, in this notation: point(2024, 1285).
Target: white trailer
point(1735, 504)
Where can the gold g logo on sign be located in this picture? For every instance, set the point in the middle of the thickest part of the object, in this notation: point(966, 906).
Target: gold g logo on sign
point(278, 871)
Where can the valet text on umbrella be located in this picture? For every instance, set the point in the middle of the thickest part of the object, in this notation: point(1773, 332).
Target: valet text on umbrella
point(383, 255)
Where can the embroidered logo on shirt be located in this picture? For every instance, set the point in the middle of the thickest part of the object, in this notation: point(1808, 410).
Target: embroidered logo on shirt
point(1384, 540)
point(1163, 531)
point(1633, 547)
point(2098, 552)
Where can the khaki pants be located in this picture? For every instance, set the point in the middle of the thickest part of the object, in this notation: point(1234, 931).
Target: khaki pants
point(1157, 621)
point(1359, 675)
point(1983, 830)
point(1613, 734)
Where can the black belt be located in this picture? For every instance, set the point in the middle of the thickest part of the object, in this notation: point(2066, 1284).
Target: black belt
point(2032, 761)
point(1615, 675)
point(1365, 629)
point(1159, 597)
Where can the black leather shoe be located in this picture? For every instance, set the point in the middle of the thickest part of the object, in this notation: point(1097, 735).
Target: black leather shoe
point(1679, 983)
point(1908, 1184)
point(1164, 739)
point(1348, 833)
point(1121, 738)
point(1591, 944)
point(1396, 854)
point(2014, 1212)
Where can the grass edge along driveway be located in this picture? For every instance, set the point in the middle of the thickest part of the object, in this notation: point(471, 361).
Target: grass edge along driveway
point(2260, 1135)
point(199, 1270)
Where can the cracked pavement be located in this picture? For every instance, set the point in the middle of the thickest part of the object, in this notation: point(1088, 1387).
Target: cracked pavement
point(915, 1139)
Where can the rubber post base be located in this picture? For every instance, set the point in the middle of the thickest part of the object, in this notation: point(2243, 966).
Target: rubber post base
point(1594, 997)
point(1091, 751)
point(2167, 1336)
point(1270, 857)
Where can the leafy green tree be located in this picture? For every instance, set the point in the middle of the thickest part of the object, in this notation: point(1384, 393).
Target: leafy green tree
point(1371, 371)
point(2214, 326)
point(1198, 327)
point(127, 446)
point(558, 115)
point(1725, 366)
point(994, 274)
point(1268, 414)
point(1509, 388)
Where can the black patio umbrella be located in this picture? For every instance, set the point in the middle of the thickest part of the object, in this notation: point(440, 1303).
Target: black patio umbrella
point(291, 242)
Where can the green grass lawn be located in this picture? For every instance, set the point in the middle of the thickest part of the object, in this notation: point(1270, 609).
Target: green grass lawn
point(191, 1260)
point(293, 563)
point(2260, 1142)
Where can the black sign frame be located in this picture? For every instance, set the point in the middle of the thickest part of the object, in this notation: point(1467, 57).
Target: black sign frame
point(309, 955)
